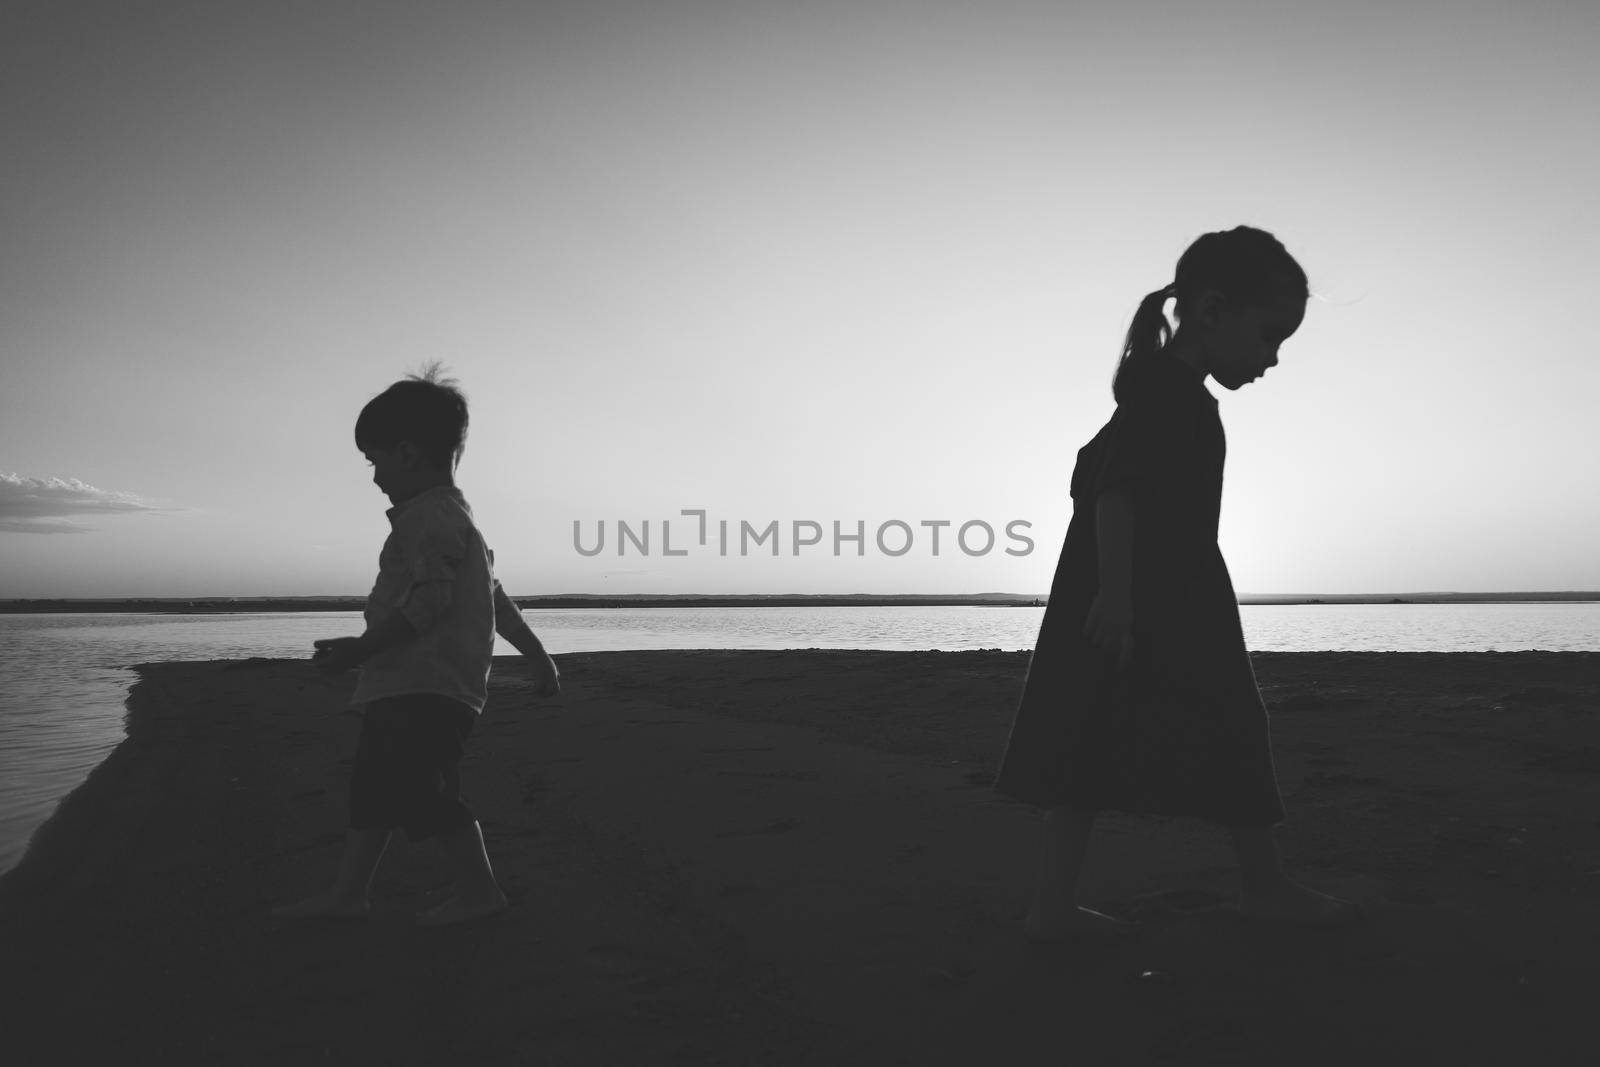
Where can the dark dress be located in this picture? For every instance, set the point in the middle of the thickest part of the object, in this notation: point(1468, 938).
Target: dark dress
point(1184, 731)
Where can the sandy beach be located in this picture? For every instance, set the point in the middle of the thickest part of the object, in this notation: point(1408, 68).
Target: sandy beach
point(740, 857)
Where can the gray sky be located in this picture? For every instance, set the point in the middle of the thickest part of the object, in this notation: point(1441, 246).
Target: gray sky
point(835, 262)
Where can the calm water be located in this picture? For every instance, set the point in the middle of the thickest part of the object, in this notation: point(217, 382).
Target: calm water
point(63, 678)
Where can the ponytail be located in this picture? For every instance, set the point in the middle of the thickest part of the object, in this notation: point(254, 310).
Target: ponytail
point(1147, 334)
point(1247, 266)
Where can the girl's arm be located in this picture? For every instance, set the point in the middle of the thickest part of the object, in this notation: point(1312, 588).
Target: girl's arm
point(1109, 625)
point(1113, 531)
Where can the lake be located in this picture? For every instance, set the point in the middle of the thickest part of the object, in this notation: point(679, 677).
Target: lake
point(63, 677)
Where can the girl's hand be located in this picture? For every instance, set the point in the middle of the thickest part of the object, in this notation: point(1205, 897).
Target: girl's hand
point(1109, 627)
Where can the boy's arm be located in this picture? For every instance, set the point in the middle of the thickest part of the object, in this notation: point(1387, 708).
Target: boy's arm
point(434, 553)
point(346, 653)
point(395, 629)
point(509, 624)
point(431, 553)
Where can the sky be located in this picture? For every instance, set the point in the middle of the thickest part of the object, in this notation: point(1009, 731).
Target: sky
point(861, 262)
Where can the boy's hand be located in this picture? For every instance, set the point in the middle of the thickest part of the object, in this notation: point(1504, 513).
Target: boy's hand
point(546, 678)
point(335, 654)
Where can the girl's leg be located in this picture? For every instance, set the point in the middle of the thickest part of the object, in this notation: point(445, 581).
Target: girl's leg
point(1066, 841)
point(1267, 893)
point(1055, 912)
point(1259, 867)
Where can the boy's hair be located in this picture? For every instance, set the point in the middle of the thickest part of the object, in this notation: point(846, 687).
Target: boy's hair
point(1249, 267)
point(427, 409)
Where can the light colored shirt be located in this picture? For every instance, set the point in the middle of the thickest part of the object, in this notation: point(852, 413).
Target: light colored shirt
point(436, 571)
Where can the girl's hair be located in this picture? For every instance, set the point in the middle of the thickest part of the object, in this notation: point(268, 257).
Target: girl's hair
point(427, 409)
point(1249, 267)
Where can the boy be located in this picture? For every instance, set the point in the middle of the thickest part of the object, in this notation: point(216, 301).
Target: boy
point(424, 659)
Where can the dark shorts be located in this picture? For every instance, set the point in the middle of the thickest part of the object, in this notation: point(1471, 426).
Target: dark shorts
point(407, 768)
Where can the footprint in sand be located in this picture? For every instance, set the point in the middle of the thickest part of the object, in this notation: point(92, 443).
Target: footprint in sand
point(1219, 1039)
point(1332, 778)
point(621, 966)
point(777, 826)
point(1175, 903)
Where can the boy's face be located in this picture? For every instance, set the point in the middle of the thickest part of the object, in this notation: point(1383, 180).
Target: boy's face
point(400, 471)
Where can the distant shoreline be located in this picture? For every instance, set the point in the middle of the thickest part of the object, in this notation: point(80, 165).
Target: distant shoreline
point(254, 605)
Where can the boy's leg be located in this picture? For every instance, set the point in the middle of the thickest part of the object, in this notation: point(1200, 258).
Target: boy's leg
point(362, 851)
point(1055, 912)
point(372, 797)
point(474, 876)
point(1267, 893)
point(442, 731)
point(476, 891)
point(351, 888)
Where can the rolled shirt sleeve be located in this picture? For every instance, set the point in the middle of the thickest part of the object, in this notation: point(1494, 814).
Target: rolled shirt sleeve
point(433, 561)
point(437, 573)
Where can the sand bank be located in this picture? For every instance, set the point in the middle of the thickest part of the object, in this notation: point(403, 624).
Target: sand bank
point(796, 858)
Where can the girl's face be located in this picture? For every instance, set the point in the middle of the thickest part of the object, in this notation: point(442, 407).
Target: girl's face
point(1243, 344)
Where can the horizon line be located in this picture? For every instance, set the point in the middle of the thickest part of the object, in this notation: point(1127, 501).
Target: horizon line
point(794, 595)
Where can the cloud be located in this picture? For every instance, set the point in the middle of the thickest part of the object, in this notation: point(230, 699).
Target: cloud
point(47, 505)
point(41, 526)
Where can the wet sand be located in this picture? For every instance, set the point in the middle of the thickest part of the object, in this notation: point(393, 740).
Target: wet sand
point(795, 858)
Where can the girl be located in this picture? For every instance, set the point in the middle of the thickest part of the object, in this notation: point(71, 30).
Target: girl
point(1140, 695)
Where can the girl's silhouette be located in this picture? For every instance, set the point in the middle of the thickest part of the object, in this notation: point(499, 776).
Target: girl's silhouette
point(1140, 695)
